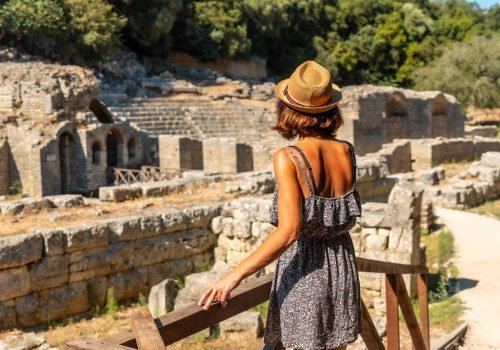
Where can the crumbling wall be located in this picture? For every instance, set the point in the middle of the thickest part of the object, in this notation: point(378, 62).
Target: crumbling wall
point(51, 274)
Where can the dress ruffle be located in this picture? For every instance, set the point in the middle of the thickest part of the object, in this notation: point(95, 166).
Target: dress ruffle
point(337, 212)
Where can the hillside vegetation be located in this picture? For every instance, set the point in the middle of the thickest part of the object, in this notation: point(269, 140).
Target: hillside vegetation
point(450, 45)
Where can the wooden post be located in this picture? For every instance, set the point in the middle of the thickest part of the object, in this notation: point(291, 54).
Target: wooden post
point(424, 308)
point(407, 309)
point(146, 332)
point(391, 288)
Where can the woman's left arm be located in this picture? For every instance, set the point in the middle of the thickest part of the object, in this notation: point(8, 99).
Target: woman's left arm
point(289, 221)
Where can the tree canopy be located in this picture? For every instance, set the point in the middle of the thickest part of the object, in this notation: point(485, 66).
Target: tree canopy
point(400, 42)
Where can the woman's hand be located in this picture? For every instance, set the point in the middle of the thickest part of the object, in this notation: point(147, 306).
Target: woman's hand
point(220, 290)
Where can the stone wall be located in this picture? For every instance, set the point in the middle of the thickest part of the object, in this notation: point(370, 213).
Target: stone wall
point(379, 114)
point(4, 167)
point(49, 274)
point(430, 152)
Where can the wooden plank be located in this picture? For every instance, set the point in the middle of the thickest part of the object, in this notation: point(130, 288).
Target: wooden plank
point(407, 309)
point(87, 343)
point(179, 324)
point(391, 302)
point(146, 332)
point(424, 308)
point(368, 265)
point(369, 334)
point(452, 337)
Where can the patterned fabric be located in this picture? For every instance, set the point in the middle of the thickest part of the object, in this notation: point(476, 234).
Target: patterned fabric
point(315, 298)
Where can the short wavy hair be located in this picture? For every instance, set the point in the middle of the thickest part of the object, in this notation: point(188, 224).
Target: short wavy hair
point(291, 123)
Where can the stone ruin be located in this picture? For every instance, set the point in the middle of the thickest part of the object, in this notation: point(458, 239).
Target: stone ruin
point(58, 137)
point(46, 144)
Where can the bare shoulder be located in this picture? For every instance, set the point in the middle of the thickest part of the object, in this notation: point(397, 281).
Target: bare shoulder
point(281, 160)
point(347, 146)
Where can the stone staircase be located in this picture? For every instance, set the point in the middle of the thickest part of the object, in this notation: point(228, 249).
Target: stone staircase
point(195, 118)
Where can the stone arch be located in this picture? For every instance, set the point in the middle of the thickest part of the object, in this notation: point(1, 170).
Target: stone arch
point(395, 105)
point(96, 153)
point(101, 112)
point(131, 148)
point(439, 105)
point(114, 141)
point(65, 160)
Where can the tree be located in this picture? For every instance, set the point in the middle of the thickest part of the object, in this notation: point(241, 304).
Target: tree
point(470, 70)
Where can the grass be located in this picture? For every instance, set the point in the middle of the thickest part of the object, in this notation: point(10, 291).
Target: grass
point(487, 208)
point(444, 310)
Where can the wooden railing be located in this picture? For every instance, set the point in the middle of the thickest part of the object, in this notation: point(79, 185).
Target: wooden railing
point(156, 334)
point(145, 174)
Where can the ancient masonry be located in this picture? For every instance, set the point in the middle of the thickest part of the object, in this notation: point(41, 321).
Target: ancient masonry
point(46, 145)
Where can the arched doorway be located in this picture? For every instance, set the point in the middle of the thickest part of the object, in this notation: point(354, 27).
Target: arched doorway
point(65, 153)
point(113, 142)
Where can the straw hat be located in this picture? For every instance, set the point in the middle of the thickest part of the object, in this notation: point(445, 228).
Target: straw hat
point(309, 89)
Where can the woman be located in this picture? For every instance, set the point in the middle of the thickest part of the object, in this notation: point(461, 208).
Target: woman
point(315, 295)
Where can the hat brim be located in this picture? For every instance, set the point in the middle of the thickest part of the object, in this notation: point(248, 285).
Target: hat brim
point(336, 98)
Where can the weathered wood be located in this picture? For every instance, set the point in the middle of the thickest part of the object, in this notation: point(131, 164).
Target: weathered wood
point(146, 332)
point(369, 334)
point(407, 309)
point(182, 323)
point(423, 307)
point(391, 304)
point(368, 265)
point(452, 337)
point(87, 343)
point(179, 324)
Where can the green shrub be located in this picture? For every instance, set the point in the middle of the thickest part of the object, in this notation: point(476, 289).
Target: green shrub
point(112, 306)
point(95, 28)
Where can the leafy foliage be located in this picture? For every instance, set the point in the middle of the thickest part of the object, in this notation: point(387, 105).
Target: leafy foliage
point(469, 70)
point(377, 41)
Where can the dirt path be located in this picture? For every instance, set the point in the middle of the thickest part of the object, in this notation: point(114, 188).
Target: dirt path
point(477, 243)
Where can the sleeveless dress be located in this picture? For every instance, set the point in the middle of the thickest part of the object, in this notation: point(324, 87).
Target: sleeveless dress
point(315, 298)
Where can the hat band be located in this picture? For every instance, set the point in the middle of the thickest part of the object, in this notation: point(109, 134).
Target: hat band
point(293, 101)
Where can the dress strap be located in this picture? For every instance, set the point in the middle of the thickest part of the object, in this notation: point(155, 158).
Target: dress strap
point(301, 168)
point(308, 165)
point(354, 167)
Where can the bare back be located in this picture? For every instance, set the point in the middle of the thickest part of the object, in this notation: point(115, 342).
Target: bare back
point(332, 163)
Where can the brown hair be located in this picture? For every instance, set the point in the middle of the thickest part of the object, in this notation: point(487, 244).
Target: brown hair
point(291, 123)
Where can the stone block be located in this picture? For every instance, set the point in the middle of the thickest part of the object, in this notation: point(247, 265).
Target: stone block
point(199, 217)
point(242, 229)
point(52, 304)
point(125, 229)
point(86, 236)
point(490, 159)
point(151, 226)
point(173, 246)
point(96, 289)
point(227, 227)
point(66, 200)
point(86, 264)
point(128, 284)
point(8, 312)
point(170, 269)
point(14, 282)
point(174, 220)
point(119, 193)
point(54, 241)
point(244, 326)
point(376, 242)
point(20, 249)
point(162, 296)
point(216, 224)
point(49, 272)
point(233, 258)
